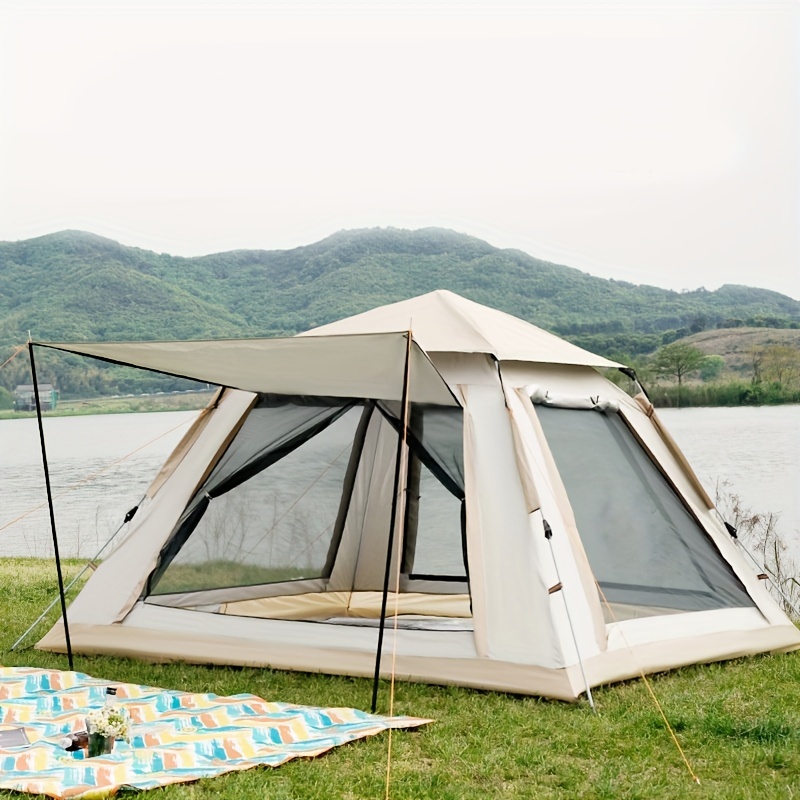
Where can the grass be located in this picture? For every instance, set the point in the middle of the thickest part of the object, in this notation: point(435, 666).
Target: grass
point(738, 722)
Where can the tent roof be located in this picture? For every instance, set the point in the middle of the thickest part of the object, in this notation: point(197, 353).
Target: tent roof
point(364, 366)
point(444, 322)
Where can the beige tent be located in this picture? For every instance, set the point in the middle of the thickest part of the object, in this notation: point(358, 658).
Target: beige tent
point(548, 535)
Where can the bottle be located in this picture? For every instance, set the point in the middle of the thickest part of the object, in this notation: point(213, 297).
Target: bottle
point(111, 696)
point(75, 741)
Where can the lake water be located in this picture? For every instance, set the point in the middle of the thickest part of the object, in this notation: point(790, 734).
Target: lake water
point(756, 450)
point(100, 466)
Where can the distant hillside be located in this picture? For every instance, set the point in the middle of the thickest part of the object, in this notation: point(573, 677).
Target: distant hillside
point(738, 345)
point(76, 286)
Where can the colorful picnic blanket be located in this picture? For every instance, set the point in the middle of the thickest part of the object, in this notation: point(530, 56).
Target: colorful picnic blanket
point(176, 736)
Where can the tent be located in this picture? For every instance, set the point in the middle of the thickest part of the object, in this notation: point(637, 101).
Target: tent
point(523, 523)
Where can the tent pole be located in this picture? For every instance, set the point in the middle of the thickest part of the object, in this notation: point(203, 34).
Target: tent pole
point(50, 506)
point(548, 534)
point(401, 442)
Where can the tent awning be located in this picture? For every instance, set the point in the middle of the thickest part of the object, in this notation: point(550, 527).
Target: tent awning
point(362, 365)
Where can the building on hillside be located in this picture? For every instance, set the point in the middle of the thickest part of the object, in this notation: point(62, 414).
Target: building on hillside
point(25, 400)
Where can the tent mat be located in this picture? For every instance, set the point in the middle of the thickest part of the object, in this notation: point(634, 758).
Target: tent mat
point(176, 736)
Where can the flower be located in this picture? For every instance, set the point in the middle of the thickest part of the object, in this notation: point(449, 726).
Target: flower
point(109, 721)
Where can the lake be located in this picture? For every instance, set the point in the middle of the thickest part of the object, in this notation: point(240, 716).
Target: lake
point(100, 466)
point(756, 450)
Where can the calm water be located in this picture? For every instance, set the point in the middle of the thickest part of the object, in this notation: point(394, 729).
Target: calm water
point(101, 465)
point(756, 450)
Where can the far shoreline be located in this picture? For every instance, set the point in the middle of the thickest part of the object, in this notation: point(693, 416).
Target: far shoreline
point(692, 394)
point(137, 404)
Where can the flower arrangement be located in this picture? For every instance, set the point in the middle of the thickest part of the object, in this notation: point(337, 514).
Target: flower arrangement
point(109, 721)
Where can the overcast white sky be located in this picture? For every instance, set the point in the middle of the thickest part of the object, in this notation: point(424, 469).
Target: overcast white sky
point(651, 142)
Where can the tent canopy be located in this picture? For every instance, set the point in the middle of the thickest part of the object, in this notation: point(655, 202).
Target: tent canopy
point(444, 322)
point(362, 365)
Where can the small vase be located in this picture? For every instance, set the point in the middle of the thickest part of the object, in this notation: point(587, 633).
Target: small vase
point(100, 745)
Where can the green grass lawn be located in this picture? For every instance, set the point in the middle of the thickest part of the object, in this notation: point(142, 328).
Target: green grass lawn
point(738, 722)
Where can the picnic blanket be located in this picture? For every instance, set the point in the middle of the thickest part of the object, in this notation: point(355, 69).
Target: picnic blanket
point(176, 736)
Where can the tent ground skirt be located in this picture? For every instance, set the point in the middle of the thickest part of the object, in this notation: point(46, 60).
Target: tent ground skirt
point(461, 668)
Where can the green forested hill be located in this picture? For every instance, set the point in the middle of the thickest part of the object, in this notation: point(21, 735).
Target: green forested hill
point(78, 286)
point(74, 285)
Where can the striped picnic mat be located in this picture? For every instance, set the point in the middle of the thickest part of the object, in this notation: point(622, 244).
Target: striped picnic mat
point(176, 736)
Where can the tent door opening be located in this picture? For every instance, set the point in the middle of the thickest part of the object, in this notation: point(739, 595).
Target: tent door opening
point(292, 522)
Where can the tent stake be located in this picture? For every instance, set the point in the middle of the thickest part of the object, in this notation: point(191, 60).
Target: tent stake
point(401, 441)
point(548, 534)
point(50, 506)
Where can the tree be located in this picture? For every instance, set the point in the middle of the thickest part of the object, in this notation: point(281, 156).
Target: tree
point(678, 359)
point(782, 363)
point(700, 323)
point(756, 353)
point(712, 367)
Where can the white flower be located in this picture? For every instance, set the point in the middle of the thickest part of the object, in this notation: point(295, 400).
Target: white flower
point(109, 721)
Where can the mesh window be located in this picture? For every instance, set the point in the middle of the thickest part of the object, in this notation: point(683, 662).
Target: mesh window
point(437, 551)
point(277, 521)
point(434, 544)
point(646, 550)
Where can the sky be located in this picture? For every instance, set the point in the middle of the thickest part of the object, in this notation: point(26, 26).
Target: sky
point(651, 142)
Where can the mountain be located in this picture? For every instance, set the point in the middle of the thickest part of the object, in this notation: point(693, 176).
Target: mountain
point(78, 286)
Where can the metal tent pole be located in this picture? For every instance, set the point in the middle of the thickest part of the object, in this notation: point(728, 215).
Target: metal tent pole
point(50, 505)
point(401, 442)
